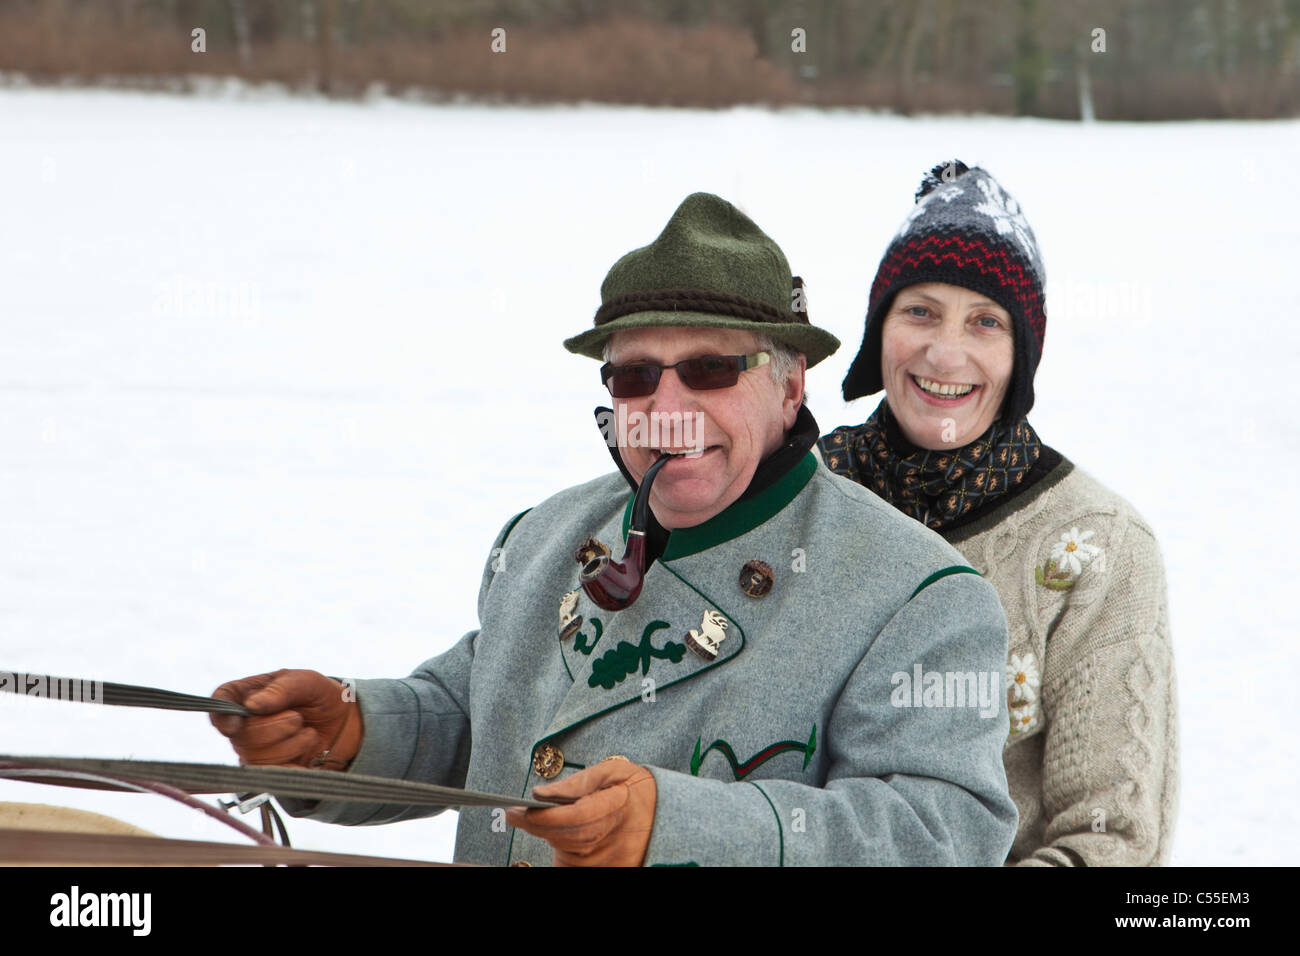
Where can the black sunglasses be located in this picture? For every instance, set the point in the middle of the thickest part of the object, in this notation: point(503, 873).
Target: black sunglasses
point(707, 371)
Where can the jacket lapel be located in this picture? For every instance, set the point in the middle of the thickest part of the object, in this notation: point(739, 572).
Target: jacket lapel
point(617, 656)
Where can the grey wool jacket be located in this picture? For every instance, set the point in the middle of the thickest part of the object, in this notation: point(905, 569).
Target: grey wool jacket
point(854, 714)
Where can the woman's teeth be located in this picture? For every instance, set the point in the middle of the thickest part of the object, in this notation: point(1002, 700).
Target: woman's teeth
point(942, 391)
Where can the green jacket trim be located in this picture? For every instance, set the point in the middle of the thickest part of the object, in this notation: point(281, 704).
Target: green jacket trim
point(943, 573)
point(780, 833)
point(741, 770)
point(511, 526)
point(739, 518)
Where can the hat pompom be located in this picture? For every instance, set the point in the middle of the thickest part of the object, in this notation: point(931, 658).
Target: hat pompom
point(936, 177)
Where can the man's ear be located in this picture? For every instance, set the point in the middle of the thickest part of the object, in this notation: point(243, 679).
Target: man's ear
point(793, 398)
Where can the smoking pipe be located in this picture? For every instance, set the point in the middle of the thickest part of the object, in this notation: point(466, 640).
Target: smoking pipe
point(614, 585)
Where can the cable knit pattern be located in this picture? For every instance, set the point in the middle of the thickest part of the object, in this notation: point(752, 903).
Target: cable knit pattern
point(1092, 759)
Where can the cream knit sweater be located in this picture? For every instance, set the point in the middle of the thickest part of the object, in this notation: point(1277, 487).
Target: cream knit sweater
point(1092, 757)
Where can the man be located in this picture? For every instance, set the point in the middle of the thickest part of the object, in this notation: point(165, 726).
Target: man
point(772, 692)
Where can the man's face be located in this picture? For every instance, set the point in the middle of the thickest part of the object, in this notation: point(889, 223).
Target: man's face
point(946, 360)
point(739, 426)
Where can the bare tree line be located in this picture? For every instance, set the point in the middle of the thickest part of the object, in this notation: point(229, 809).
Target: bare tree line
point(1117, 59)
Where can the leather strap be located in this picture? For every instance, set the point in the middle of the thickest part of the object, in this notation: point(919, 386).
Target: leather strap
point(281, 781)
point(86, 849)
point(117, 695)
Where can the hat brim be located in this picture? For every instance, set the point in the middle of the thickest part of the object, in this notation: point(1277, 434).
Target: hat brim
point(815, 344)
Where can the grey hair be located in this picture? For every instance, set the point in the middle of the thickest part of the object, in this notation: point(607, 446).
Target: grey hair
point(784, 358)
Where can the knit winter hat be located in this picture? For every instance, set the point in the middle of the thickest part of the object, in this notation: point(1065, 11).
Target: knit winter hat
point(711, 267)
point(965, 230)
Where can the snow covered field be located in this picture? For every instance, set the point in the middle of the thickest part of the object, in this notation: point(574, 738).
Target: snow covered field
point(274, 372)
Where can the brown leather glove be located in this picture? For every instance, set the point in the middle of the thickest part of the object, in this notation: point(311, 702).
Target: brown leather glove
point(303, 720)
point(609, 826)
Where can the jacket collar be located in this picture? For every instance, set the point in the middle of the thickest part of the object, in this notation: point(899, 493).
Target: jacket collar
point(777, 480)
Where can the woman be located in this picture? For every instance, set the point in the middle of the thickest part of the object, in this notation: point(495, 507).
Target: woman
point(954, 332)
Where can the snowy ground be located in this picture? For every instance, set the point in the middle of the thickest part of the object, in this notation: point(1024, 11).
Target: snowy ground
point(274, 372)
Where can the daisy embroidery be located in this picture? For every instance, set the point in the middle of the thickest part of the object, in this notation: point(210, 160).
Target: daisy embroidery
point(1023, 721)
point(1022, 679)
point(1069, 557)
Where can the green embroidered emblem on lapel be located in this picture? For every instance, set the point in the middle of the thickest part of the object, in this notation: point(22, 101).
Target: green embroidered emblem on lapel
point(616, 664)
point(742, 770)
point(580, 639)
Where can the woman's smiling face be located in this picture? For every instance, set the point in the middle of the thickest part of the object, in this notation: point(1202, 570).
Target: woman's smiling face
point(946, 358)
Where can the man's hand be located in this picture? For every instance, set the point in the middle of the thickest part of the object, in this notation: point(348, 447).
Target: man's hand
point(302, 716)
point(609, 825)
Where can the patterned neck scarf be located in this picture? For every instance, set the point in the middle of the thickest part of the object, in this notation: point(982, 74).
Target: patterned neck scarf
point(936, 487)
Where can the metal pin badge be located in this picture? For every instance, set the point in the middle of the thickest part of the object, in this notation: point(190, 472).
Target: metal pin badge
point(705, 639)
point(570, 620)
point(756, 578)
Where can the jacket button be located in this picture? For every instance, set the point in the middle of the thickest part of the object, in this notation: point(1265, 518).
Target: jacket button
point(521, 863)
point(756, 578)
point(548, 761)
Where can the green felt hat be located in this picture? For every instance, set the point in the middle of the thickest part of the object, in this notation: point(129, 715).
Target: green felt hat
point(713, 268)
